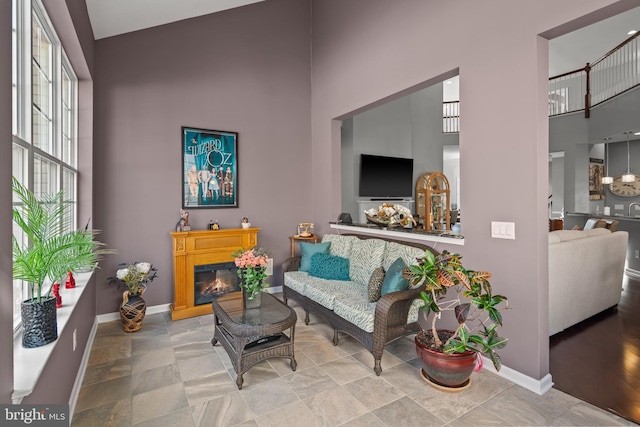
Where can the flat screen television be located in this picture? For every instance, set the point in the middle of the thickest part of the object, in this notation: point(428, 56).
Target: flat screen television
point(385, 177)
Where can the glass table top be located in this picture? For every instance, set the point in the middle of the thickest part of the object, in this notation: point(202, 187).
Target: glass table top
point(271, 309)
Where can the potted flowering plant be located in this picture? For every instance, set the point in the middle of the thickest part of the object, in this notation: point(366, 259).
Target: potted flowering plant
point(135, 277)
point(252, 266)
point(476, 310)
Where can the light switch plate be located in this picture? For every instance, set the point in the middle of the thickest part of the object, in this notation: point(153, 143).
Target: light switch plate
point(269, 268)
point(503, 230)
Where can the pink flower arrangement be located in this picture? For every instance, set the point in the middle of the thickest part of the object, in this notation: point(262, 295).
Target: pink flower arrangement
point(252, 265)
point(250, 259)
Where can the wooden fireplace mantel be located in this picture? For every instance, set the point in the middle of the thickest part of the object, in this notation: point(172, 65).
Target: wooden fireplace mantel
point(191, 248)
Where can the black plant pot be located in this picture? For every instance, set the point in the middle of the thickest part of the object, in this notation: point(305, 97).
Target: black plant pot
point(39, 322)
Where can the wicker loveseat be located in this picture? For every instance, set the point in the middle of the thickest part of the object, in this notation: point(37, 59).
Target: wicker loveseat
point(344, 304)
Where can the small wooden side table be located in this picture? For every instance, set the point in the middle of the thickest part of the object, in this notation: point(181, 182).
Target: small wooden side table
point(313, 238)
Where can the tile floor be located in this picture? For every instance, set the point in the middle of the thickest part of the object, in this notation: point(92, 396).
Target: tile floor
point(168, 374)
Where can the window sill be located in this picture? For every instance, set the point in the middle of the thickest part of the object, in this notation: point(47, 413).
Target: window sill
point(29, 363)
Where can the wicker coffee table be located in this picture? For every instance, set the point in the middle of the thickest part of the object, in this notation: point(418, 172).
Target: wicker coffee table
point(250, 336)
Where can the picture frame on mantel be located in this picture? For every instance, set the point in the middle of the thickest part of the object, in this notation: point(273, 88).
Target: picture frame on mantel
point(209, 168)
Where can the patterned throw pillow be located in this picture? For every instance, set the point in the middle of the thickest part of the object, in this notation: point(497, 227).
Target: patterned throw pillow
point(393, 280)
point(375, 284)
point(329, 267)
point(308, 250)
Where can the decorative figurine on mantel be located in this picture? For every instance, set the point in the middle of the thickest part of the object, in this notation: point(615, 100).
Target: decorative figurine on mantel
point(245, 222)
point(183, 223)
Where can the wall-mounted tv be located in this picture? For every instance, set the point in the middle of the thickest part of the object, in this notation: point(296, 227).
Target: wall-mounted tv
point(385, 177)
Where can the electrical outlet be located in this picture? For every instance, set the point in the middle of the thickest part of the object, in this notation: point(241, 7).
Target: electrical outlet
point(637, 253)
point(75, 339)
point(269, 268)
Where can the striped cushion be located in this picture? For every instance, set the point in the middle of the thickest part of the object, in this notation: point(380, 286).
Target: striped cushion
point(360, 312)
point(296, 280)
point(340, 245)
point(325, 292)
point(407, 253)
point(414, 310)
point(366, 256)
point(357, 310)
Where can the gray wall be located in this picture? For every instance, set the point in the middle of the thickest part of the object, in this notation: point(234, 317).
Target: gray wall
point(570, 134)
point(370, 51)
point(6, 274)
point(245, 70)
point(556, 186)
point(615, 116)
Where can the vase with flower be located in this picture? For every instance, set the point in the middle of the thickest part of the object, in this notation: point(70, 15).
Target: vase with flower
point(252, 266)
point(135, 276)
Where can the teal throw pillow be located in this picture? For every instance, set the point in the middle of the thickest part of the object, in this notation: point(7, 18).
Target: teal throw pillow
point(308, 250)
point(393, 280)
point(330, 267)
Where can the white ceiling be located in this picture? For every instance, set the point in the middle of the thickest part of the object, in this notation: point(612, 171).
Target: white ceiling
point(112, 17)
point(566, 53)
point(588, 44)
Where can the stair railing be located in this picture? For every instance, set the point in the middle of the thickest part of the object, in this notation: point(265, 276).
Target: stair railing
point(451, 116)
point(613, 74)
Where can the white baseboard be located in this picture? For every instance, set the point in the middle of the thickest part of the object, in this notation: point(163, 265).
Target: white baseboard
point(154, 309)
point(537, 386)
point(77, 385)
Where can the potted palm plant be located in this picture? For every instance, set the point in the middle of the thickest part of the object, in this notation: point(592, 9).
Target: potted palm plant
point(449, 357)
point(43, 255)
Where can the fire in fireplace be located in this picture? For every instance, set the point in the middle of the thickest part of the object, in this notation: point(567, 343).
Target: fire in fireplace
point(214, 280)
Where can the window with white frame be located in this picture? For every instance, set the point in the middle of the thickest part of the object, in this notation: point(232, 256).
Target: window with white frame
point(45, 142)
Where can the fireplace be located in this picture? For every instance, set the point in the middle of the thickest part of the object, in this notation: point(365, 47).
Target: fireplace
point(194, 254)
point(213, 280)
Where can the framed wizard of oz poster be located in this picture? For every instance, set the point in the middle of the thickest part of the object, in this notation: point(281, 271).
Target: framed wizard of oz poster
point(209, 168)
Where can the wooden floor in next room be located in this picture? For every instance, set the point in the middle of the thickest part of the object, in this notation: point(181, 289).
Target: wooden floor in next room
point(598, 360)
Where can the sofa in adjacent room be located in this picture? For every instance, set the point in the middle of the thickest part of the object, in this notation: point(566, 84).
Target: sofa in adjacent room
point(586, 269)
point(355, 284)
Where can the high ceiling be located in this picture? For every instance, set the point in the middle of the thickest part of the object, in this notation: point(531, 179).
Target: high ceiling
point(113, 17)
point(588, 44)
point(566, 53)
